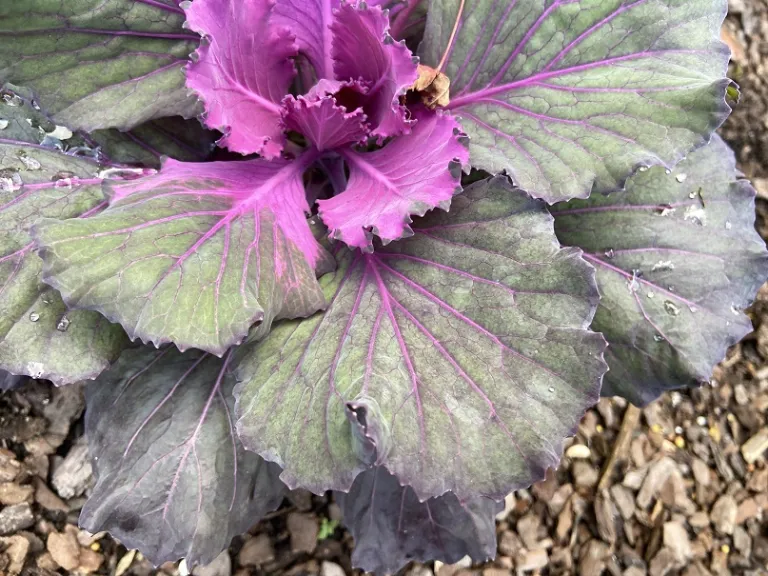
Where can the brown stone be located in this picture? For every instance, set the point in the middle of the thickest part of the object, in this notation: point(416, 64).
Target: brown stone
point(16, 548)
point(747, 510)
point(304, 529)
point(12, 493)
point(47, 499)
point(90, 561)
point(723, 514)
point(256, 551)
point(64, 550)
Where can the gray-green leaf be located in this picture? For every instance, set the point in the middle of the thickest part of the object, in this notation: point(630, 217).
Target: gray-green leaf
point(677, 259)
point(571, 95)
point(38, 336)
point(459, 358)
point(94, 64)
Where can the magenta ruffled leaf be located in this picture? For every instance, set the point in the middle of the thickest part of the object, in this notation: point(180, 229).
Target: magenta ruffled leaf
point(243, 71)
point(409, 176)
point(363, 50)
point(323, 122)
point(310, 21)
point(194, 255)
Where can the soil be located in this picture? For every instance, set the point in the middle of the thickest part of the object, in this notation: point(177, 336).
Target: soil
point(687, 493)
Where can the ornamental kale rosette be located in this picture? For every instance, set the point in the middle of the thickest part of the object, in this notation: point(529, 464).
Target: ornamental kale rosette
point(425, 237)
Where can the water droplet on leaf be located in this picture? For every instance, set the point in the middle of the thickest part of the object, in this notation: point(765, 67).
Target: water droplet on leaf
point(11, 99)
point(29, 162)
point(663, 265)
point(671, 308)
point(651, 294)
point(658, 338)
point(34, 316)
point(63, 324)
point(728, 225)
point(610, 253)
point(3, 124)
point(681, 178)
point(10, 180)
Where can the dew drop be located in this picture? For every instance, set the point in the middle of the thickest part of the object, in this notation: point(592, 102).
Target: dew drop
point(63, 324)
point(11, 99)
point(35, 369)
point(10, 180)
point(668, 171)
point(735, 311)
point(693, 309)
point(658, 338)
point(643, 169)
point(651, 294)
point(3, 124)
point(665, 210)
point(692, 195)
point(671, 308)
point(728, 225)
point(681, 178)
point(29, 162)
point(696, 214)
point(610, 253)
point(34, 316)
point(663, 265)
point(551, 389)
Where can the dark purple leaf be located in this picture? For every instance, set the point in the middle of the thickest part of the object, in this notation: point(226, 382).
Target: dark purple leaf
point(391, 527)
point(172, 479)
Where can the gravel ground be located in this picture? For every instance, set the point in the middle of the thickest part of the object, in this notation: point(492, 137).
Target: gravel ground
point(678, 488)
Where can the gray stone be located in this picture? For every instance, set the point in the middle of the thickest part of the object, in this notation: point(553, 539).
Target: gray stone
point(15, 518)
point(72, 476)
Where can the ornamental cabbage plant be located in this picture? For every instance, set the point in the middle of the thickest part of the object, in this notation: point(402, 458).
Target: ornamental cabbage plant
point(427, 236)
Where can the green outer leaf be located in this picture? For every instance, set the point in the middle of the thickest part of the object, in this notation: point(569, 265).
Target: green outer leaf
point(437, 358)
point(38, 337)
point(195, 254)
point(94, 64)
point(146, 144)
point(689, 240)
point(172, 479)
point(571, 95)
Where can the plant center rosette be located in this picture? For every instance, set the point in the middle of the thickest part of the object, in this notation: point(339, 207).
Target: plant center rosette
point(333, 101)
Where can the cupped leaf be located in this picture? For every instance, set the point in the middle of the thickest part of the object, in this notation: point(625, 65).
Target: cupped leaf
point(194, 255)
point(145, 145)
point(677, 259)
point(39, 337)
point(172, 479)
point(242, 72)
point(95, 64)
point(323, 122)
point(570, 95)
point(363, 50)
point(412, 174)
point(392, 527)
point(459, 358)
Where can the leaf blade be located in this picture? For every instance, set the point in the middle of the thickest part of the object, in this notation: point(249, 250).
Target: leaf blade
point(677, 259)
point(412, 364)
point(567, 96)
